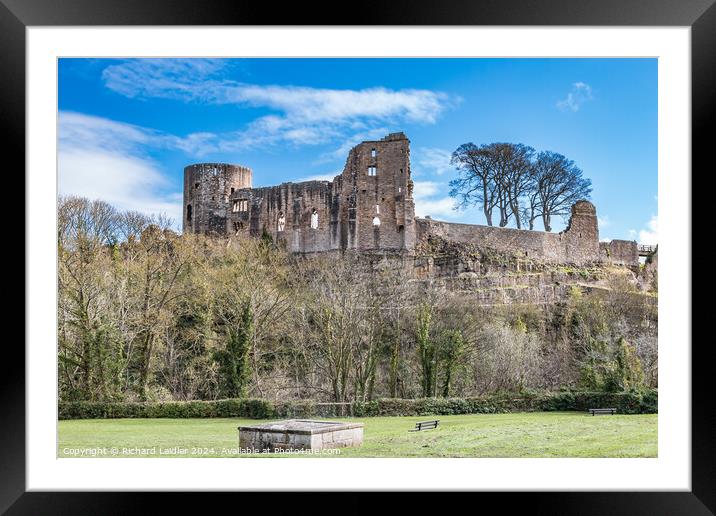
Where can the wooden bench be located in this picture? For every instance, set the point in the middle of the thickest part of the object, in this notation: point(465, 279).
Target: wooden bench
point(425, 425)
point(595, 411)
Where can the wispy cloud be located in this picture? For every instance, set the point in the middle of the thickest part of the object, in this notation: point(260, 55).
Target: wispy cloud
point(341, 152)
point(319, 177)
point(429, 202)
point(300, 115)
point(649, 234)
point(98, 132)
point(432, 160)
point(580, 93)
point(105, 159)
point(199, 80)
point(111, 160)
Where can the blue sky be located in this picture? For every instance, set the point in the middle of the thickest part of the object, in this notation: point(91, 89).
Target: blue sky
point(127, 128)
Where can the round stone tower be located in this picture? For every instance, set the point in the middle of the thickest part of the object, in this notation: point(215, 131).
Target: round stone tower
point(207, 189)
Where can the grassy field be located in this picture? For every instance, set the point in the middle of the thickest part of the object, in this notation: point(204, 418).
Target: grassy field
point(532, 434)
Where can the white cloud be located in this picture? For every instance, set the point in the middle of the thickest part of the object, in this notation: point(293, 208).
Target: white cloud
point(126, 182)
point(319, 177)
point(650, 234)
point(580, 93)
point(104, 159)
point(199, 80)
point(442, 207)
point(424, 189)
point(342, 151)
point(303, 115)
point(87, 131)
point(167, 78)
point(603, 222)
point(427, 204)
point(433, 160)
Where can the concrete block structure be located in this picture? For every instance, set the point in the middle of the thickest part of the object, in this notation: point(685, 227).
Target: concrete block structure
point(300, 434)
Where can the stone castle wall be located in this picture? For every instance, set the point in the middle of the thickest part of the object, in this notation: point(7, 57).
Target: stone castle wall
point(619, 252)
point(577, 244)
point(377, 188)
point(285, 212)
point(369, 207)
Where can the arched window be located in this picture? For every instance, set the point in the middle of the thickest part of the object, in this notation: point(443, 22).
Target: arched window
point(376, 221)
point(314, 219)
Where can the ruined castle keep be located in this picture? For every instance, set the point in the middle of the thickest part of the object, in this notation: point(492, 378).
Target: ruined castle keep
point(369, 208)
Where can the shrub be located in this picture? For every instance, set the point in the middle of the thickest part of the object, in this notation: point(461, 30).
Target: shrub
point(633, 402)
point(630, 402)
point(249, 408)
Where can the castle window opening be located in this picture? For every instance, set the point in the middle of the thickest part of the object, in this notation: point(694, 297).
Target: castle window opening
point(240, 206)
point(373, 153)
point(314, 219)
point(196, 186)
point(281, 222)
point(232, 190)
point(372, 171)
point(377, 208)
point(188, 212)
point(376, 221)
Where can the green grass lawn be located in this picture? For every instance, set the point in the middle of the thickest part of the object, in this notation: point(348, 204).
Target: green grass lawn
point(528, 434)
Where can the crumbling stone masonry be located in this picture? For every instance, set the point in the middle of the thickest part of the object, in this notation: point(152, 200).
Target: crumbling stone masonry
point(369, 207)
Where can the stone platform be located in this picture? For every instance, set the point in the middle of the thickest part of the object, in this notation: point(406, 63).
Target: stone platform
point(301, 434)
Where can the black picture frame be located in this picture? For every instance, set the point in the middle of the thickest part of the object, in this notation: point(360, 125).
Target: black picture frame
point(700, 15)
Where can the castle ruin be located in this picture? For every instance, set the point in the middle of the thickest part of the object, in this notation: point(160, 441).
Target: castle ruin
point(369, 208)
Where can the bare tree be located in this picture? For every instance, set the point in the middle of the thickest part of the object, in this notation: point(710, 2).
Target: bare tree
point(476, 183)
point(514, 162)
point(86, 232)
point(558, 184)
point(495, 175)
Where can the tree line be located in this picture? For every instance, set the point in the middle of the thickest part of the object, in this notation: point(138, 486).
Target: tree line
point(147, 314)
point(517, 183)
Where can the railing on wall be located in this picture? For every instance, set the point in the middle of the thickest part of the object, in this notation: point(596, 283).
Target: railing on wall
point(646, 249)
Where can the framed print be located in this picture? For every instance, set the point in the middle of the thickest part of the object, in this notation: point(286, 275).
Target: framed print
point(429, 249)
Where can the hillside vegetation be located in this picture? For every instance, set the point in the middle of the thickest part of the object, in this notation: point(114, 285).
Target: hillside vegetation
point(145, 314)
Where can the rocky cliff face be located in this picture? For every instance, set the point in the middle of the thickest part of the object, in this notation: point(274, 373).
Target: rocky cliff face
point(493, 277)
